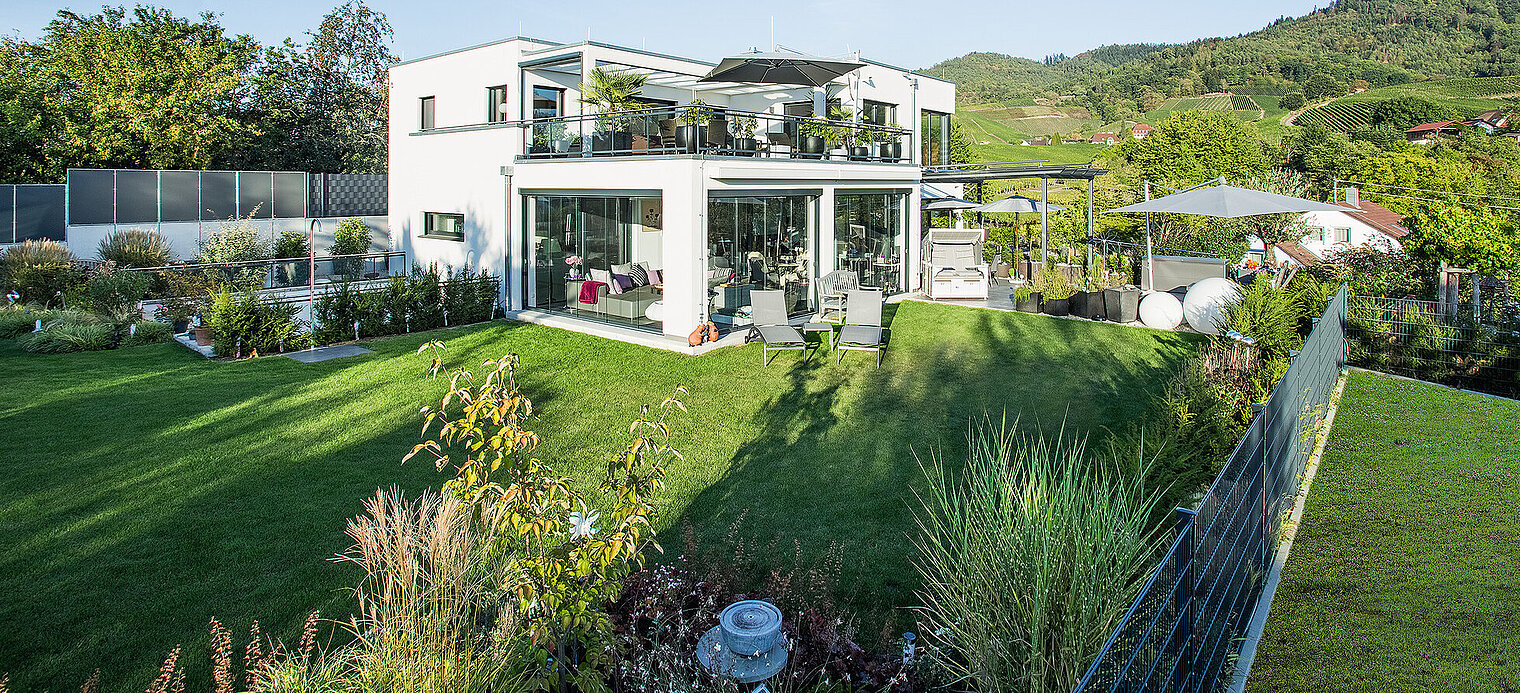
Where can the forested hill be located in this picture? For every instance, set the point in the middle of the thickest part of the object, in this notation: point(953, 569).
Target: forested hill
point(1377, 41)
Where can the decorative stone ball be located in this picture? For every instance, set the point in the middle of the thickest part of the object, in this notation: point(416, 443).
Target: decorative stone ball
point(1161, 311)
point(1206, 303)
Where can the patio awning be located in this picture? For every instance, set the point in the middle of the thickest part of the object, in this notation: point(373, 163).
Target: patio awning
point(1017, 204)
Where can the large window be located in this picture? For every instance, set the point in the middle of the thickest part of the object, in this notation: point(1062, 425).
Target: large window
point(425, 118)
point(758, 242)
point(497, 109)
point(934, 147)
point(868, 237)
point(548, 102)
point(608, 236)
point(445, 225)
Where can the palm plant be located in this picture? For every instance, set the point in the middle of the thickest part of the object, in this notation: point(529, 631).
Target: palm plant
point(610, 91)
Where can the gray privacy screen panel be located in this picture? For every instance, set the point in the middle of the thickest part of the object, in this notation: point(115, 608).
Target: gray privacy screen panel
point(136, 197)
point(92, 196)
point(218, 195)
point(179, 195)
point(7, 213)
point(255, 194)
point(39, 212)
point(289, 195)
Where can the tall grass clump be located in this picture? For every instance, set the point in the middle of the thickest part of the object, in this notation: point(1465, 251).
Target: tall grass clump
point(1030, 557)
point(135, 248)
point(41, 271)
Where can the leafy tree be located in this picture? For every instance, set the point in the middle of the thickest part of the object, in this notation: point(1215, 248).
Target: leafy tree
point(28, 111)
point(1277, 228)
point(1448, 171)
point(1190, 147)
point(1406, 112)
point(1291, 101)
point(1322, 86)
point(147, 91)
point(1470, 238)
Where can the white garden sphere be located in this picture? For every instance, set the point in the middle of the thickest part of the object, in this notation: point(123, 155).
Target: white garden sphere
point(1161, 310)
point(1206, 303)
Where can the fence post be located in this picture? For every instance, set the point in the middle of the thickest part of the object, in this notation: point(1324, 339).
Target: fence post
point(1259, 461)
point(1187, 586)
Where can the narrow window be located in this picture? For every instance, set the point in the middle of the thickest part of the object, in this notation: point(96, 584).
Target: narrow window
point(1342, 234)
point(443, 225)
point(496, 104)
point(427, 114)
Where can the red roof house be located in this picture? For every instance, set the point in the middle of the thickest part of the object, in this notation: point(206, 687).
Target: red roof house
point(1140, 131)
point(1427, 132)
point(1380, 218)
point(1105, 138)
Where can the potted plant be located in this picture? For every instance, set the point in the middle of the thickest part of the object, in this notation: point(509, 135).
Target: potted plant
point(1056, 291)
point(1026, 299)
point(612, 92)
point(692, 135)
point(744, 134)
point(889, 143)
point(860, 138)
point(813, 137)
point(1122, 303)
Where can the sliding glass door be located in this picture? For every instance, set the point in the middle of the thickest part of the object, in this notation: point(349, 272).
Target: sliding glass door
point(868, 237)
point(759, 242)
point(613, 241)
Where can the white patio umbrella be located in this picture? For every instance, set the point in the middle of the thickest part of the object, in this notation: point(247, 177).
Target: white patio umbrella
point(945, 204)
point(1016, 204)
point(1223, 201)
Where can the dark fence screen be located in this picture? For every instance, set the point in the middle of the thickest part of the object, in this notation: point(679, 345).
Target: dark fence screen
point(144, 197)
point(31, 213)
point(347, 195)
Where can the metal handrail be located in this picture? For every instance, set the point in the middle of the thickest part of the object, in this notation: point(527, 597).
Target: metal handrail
point(268, 261)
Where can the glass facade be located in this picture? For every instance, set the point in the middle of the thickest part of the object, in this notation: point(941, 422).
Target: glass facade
point(608, 236)
point(868, 237)
point(934, 147)
point(759, 242)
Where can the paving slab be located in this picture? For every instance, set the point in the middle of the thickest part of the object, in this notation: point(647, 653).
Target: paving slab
point(329, 353)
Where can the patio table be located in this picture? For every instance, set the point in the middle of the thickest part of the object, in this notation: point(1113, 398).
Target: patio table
point(826, 327)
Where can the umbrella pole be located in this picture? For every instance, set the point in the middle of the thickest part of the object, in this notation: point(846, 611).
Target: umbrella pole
point(1150, 262)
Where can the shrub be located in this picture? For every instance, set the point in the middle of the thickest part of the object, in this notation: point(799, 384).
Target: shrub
point(66, 336)
point(238, 240)
point(352, 237)
point(469, 296)
point(1291, 101)
point(291, 244)
point(146, 332)
point(1269, 315)
point(135, 248)
point(41, 271)
point(245, 324)
point(1030, 557)
point(15, 322)
point(115, 293)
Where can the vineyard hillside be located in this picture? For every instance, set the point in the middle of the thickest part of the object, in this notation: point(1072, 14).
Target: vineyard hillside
point(1461, 97)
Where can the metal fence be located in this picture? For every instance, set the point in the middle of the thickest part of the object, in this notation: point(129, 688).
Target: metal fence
point(1180, 632)
point(31, 213)
point(1417, 339)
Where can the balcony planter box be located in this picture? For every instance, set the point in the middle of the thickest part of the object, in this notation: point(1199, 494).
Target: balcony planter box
point(745, 146)
point(1057, 306)
point(607, 142)
point(860, 153)
point(1122, 304)
point(812, 146)
point(1088, 304)
point(1030, 305)
point(560, 146)
point(690, 138)
point(891, 151)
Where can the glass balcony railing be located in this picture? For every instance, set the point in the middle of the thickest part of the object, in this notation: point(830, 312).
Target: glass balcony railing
point(710, 131)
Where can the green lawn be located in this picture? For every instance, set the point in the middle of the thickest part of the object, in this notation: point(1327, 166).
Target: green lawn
point(143, 491)
point(1405, 575)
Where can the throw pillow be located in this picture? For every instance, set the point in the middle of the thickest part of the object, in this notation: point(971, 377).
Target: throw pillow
point(621, 283)
point(655, 277)
point(602, 276)
point(639, 275)
point(621, 269)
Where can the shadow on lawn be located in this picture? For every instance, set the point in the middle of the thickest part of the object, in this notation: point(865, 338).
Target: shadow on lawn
point(837, 457)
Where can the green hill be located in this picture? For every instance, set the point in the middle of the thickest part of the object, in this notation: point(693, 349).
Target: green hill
point(1458, 97)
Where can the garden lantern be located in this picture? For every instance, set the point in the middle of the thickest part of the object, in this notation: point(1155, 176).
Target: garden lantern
point(747, 644)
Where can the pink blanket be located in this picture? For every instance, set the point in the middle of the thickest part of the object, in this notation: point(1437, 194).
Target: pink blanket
point(589, 291)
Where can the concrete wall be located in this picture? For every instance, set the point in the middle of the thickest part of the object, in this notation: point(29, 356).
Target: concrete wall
point(185, 237)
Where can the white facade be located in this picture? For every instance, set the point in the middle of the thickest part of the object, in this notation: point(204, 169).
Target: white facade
point(524, 214)
point(1332, 232)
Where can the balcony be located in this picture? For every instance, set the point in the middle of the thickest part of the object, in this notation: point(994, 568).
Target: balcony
point(700, 130)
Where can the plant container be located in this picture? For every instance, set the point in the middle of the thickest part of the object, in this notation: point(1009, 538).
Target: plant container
point(1029, 305)
point(1058, 306)
point(812, 146)
point(1122, 304)
point(860, 153)
point(690, 138)
point(204, 336)
point(745, 146)
point(891, 151)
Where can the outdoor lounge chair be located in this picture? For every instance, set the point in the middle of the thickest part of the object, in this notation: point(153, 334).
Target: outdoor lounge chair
point(862, 324)
point(768, 308)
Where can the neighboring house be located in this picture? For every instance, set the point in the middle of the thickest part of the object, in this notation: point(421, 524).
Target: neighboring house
point(1104, 138)
point(1140, 131)
point(495, 162)
point(1038, 142)
point(1074, 139)
point(1426, 133)
point(1491, 121)
point(1331, 232)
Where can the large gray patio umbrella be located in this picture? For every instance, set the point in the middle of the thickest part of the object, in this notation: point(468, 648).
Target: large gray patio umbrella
point(780, 68)
point(946, 204)
point(1016, 204)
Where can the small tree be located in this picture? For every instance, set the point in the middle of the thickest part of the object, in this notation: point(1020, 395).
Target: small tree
point(352, 237)
point(1291, 101)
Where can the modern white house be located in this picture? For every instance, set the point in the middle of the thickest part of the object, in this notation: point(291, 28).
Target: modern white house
point(681, 203)
point(1362, 224)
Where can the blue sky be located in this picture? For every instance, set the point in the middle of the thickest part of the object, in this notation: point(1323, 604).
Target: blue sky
point(909, 34)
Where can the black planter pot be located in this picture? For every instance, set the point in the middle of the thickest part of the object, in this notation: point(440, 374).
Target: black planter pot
point(690, 138)
point(1029, 305)
point(181, 326)
point(1122, 304)
point(891, 151)
point(611, 142)
point(1058, 306)
point(1088, 304)
point(745, 146)
point(811, 146)
point(860, 153)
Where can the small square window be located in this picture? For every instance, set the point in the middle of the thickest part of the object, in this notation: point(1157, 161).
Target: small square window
point(443, 225)
point(426, 120)
point(1342, 234)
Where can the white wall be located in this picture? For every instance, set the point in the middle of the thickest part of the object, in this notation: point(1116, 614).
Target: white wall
point(1360, 234)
